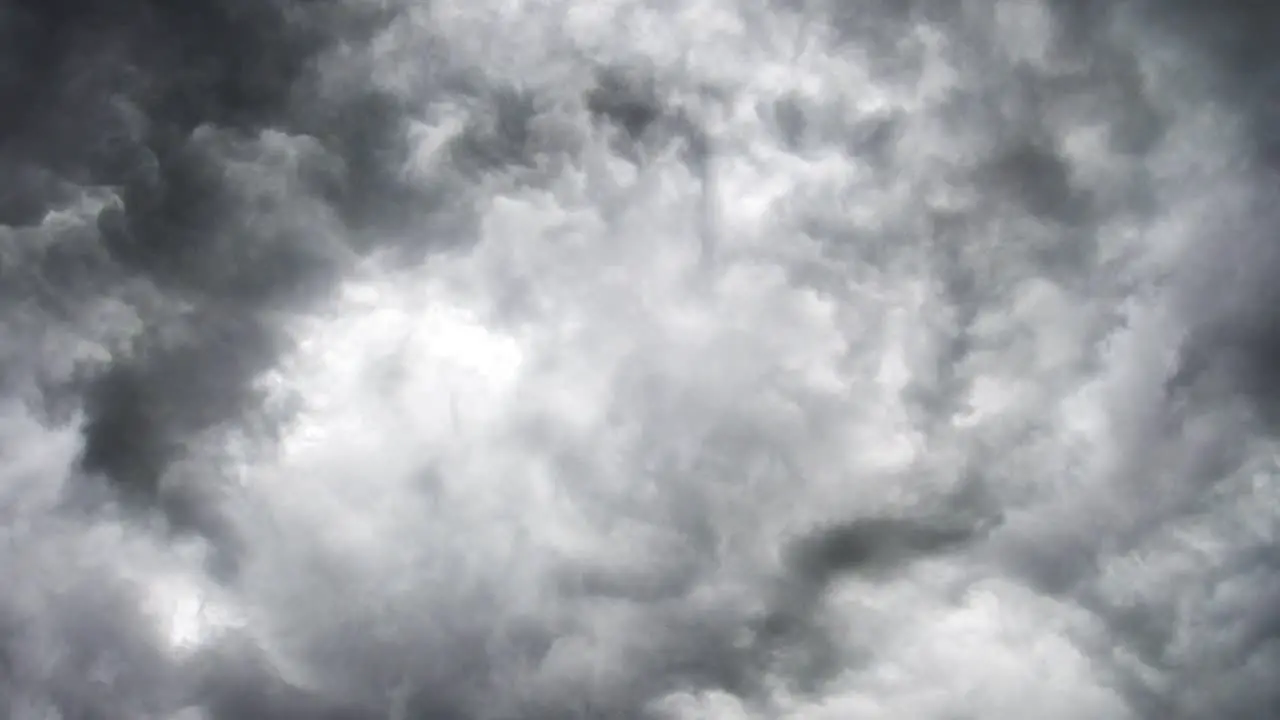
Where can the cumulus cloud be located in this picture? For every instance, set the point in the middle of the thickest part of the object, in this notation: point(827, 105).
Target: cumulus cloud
point(626, 359)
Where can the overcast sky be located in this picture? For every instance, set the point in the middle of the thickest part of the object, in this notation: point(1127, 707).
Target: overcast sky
point(639, 359)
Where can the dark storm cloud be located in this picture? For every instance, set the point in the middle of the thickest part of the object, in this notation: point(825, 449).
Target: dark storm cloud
point(158, 103)
point(1235, 329)
point(227, 197)
point(1228, 304)
point(236, 186)
point(223, 182)
point(1238, 38)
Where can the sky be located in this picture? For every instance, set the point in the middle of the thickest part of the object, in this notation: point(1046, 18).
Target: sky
point(639, 359)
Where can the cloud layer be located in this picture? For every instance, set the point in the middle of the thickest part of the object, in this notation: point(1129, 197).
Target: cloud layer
point(633, 359)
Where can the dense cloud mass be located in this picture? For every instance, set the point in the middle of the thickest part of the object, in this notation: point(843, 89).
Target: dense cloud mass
point(733, 359)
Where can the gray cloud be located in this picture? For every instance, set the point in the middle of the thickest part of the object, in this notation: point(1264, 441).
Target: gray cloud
point(350, 365)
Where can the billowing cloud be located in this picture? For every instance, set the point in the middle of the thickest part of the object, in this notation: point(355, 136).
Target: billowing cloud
point(632, 359)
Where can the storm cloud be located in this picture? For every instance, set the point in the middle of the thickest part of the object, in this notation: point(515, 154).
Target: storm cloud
point(799, 359)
